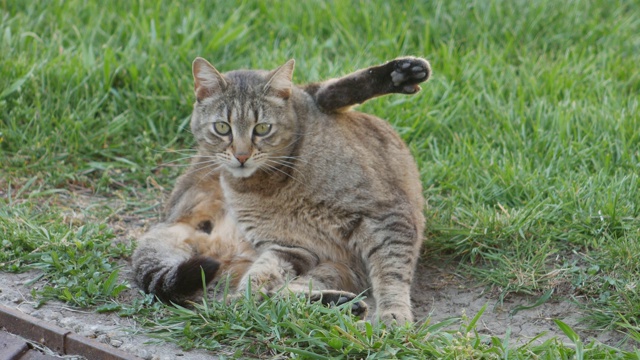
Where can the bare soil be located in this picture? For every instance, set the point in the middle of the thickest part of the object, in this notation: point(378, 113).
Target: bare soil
point(439, 292)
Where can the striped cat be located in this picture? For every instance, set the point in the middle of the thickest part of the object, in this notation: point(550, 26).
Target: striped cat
point(291, 188)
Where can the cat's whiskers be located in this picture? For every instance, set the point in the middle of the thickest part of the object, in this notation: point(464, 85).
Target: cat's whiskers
point(210, 172)
point(266, 169)
point(171, 163)
point(214, 164)
point(214, 169)
point(302, 158)
point(290, 164)
point(212, 159)
point(295, 140)
point(177, 151)
point(265, 163)
point(189, 154)
point(286, 164)
point(305, 158)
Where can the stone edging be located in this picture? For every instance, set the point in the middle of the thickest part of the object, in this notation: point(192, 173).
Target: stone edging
point(56, 338)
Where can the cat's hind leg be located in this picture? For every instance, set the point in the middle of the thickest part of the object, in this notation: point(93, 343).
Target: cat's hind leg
point(332, 284)
point(400, 76)
point(295, 269)
point(336, 298)
point(166, 265)
point(276, 265)
point(196, 237)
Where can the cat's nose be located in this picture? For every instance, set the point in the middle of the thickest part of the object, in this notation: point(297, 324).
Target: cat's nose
point(242, 157)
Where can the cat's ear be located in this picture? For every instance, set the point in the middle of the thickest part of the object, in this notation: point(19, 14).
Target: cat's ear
point(207, 80)
point(280, 81)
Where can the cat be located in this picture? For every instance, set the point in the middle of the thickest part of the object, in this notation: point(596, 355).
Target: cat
point(291, 188)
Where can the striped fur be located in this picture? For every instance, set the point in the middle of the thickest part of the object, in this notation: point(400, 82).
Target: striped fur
point(327, 198)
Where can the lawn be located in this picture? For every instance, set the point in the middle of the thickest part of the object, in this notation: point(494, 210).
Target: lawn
point(527, 137)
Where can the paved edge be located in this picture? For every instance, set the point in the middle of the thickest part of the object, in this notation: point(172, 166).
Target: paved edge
point(56, 338)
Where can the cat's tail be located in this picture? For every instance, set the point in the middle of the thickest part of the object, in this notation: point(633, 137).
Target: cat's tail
point(164, 263)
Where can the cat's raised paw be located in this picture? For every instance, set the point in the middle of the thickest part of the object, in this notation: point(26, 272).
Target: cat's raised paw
point(408, 72)
point(337, 298)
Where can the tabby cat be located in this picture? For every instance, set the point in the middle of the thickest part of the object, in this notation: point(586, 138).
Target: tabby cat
point(289, 187)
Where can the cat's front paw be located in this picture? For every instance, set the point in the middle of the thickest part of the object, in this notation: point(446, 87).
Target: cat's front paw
point(396, 317)
point(337, 298)
point(408, 72)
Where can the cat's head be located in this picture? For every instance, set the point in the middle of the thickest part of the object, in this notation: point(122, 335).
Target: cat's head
point(244, 119)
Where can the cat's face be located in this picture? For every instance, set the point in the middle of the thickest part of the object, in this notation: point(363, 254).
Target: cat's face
point(244, 120)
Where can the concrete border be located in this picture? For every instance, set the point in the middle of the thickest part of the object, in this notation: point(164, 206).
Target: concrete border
point(60, 340)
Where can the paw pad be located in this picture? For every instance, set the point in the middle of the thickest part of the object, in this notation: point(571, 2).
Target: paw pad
point(408, 72)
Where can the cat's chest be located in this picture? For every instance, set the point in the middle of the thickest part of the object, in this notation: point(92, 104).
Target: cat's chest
point(289, 216)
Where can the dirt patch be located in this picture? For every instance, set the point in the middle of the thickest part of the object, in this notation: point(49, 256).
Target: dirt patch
point(438, 293)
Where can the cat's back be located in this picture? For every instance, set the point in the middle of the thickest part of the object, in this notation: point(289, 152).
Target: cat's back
point(366, 133)
point(360, 152)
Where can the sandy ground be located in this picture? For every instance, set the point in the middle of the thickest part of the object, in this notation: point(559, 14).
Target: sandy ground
point(438, 293)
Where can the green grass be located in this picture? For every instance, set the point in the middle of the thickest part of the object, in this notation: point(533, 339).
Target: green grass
point(274, 328)
point(527, 138)
point(77, 264)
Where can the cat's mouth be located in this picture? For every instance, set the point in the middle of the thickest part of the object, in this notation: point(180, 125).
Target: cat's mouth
point(242, 170)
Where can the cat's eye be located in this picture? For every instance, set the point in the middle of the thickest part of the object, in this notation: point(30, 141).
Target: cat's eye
point(221, 128)
point(262, 129)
